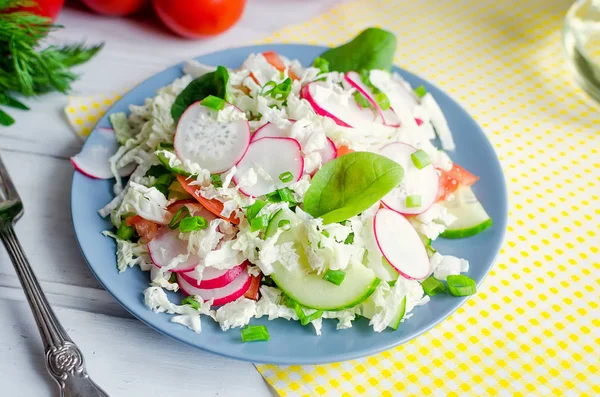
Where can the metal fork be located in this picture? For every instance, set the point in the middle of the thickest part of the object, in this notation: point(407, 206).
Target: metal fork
point(64, 360)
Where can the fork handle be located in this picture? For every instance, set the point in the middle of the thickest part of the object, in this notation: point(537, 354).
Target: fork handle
point(64, 359)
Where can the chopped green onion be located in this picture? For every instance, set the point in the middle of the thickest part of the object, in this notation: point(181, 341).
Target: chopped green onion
point(361, 100)
point(432, 286)
point(253, 333)
point(365, 76)
point(392, 283)
point(189, 300)
point(273, 197)
point(286, 177)
point(259, 223)
point(325, 233)
point(321, 64)
point(420, 91)
point(413, 201)
point(213, 102)
point(304, 319)
point(282, 91)
point(165, 179)
point(125, 232)
point(268, 88)
point(286, 195)
point(156, 171)
point(430, 250)
point(349, 239)
point(216, 180)
point(165, 146)
point(285, 224)
point(181, 213)
point(460, 285)
point(420, 159)
point(192, 223)
point(334, 276)
point(382, 100)
point(274, 106)
point(253, 210)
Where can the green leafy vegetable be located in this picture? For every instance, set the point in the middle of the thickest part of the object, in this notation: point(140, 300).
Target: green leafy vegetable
point(165, 161)
point(213, 102)
point(321, 64)
point(216, 180)
point(214, 83)
point(27, 69)
point(181, 213)
point(253, 210)
point(125, 232)
point(189, 300)
point(373, 48)
point(350, 184)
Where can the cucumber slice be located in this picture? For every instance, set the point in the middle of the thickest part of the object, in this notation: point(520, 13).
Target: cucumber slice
point(367, 309)
point(309, 289)
point(384, 270)
point(471, 216)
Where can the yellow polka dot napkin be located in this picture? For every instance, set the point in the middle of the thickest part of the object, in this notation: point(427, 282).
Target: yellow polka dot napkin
point(83, 112)
point(533, 329)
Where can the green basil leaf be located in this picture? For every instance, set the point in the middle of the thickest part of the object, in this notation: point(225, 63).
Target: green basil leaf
point(372, 49)
point(213, 83)
point(350, 184)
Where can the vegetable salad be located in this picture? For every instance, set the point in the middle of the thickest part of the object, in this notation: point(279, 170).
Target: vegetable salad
point(290, 191)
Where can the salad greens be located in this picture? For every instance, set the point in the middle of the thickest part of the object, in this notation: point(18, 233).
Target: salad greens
point(373, 48)
point(213, 83)
point(350, 184)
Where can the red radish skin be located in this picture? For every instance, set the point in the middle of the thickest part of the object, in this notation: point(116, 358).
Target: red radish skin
point(287, 149)
point(306, 93)
point(215, 278)
point(220, 296)
point(423, 182)
point(271, 130)
point(401, 245)
point(189, 143)
point(388, 117)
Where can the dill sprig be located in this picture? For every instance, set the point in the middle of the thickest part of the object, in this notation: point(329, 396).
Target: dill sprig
point(24, 67)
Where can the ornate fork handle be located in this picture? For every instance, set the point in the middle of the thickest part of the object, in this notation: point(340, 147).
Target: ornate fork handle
point(64, 360)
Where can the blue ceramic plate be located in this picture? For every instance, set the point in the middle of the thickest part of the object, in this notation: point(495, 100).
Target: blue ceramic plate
point(290, 342)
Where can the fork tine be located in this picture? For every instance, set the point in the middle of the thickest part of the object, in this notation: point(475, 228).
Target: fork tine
point(7, 188)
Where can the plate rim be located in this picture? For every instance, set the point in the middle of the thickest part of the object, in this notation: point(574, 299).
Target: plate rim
point(354, 354)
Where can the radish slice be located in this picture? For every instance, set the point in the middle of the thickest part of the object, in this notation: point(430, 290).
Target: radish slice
point(214, 278)
point(214, 145)
point(271, 130)
point(221, 296)
point(166, 246)
point(402, 100)
point(416, 182)
point(388, 117)
point(401, 245)
point(327, 103)
point(270, 157)
point(92, 161)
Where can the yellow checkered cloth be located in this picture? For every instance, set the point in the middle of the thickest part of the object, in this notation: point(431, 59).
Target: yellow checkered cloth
point(533, 329)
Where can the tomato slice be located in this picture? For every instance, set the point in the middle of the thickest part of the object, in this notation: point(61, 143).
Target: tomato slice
point(273, 58)
point(146, 229)
point(214, 205)
point(342, 150)
point(252, 292)
point(451, 180)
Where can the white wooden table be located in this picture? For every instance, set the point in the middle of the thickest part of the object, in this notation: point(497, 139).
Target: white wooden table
point(123, 355)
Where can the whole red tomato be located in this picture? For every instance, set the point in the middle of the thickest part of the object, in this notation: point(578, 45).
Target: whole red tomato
point(115, 7)
point(197, 18)
point(45, 8)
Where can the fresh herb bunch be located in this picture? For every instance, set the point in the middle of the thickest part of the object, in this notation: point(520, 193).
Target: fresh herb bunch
point(24, 67)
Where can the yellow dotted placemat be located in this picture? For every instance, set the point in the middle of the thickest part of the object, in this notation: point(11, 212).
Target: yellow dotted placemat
point(533, 329)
